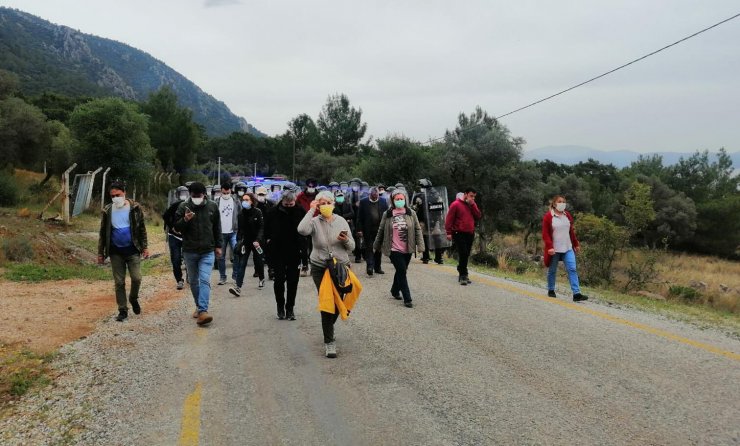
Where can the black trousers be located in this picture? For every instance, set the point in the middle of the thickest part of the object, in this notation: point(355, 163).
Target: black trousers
point(372, 258)
point(286, 273)
point(464, 243)
point(400, 285)
point(438, 253)
point(327, 319)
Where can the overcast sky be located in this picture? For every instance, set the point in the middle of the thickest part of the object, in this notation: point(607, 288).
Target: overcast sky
point(412, 66)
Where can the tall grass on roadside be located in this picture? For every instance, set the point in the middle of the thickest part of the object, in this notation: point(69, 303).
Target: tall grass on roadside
point(17, 249)
point(33, 272)
point(22, 370)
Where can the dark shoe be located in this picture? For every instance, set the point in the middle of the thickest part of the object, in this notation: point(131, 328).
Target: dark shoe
point(439, 262)
point(551, 293)
point(579, 297)
point(281, 315)
point(408, 305)
point(180, 284)
point(135, 306)
point(396, 296)
point(369, 272)
point(379, 271)
point(290, 316)
point(121, 315)
point(236, 291)
point(195, 314)
point(462, 280)
point(256, 274)
point(222, 281)
point(467, 279)
point(425, 261)
point(358, 260)
point(304, 271)
point(204, 318)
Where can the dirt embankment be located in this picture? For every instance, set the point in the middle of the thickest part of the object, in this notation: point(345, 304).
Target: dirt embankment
point(43, 316)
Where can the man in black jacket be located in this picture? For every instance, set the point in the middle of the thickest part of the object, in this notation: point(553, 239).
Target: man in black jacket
point(174, 238)
point(284, 247)
point(199, 221)
point(368, 222)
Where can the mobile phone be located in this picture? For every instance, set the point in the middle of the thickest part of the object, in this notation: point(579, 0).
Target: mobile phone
point(187, 209)
point(343, 232)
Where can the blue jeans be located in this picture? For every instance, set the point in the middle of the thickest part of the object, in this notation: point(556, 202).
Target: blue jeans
point(199, 273)
point(569, 259)
point(228, 239)
point(400, 261)
point(175, 256)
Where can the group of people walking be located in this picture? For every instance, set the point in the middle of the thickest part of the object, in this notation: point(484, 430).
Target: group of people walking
point(295, 234)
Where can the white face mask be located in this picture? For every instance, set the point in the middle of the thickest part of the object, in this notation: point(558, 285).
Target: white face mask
point(183, 197)
point(261, 198)
point(197, 201)
point(560, 207)
point(311, 190)
point(119, 201)
point(226, 195)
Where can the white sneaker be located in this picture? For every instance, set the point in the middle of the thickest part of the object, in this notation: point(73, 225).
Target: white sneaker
point(331, 349)
point(261, 284)
point(236, 291)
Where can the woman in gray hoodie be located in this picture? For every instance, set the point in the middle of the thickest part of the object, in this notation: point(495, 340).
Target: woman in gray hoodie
point(331, 237)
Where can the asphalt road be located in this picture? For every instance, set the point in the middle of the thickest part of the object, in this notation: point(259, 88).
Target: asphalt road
point(491, 363)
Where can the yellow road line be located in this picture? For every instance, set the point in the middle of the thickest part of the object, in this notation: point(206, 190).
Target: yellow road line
point(190, 430)
point(609, 317)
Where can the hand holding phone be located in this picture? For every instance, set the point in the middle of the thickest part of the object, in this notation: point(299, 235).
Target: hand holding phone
point(188, 214)
point(343, 235)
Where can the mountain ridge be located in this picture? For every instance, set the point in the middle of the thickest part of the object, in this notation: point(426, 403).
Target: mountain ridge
point(573, 154)
point(56, 58)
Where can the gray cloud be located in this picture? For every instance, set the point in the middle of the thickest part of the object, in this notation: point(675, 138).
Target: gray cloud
point(217, 3)
point(412, 66)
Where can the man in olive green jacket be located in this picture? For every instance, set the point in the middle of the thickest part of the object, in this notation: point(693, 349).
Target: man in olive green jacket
point(123, 239)
point(199, 221)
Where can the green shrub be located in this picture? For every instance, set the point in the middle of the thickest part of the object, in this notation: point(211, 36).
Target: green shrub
point(17, 249)
point(601, 240)
point(9, 194)
point(684, 292)
point(485, 259)
point(642, 269)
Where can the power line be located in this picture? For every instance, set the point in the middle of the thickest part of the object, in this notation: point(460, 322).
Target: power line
point(599, 76)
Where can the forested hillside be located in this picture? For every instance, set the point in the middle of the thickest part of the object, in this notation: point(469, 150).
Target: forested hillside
point(52, 58)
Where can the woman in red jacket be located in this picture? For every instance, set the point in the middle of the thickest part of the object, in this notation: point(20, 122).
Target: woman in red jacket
point(560, 244)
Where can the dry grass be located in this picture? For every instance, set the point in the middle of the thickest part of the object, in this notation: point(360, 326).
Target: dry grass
point(24, 213)
point(716, 280)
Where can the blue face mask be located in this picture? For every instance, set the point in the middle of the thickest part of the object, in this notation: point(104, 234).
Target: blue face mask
point(399, 203)
point(246, 205)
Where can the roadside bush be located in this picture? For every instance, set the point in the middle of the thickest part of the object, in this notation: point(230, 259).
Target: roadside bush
point(601, 240)
point(684, 292)
point(9, 194)
point(485, 259)
point(642, 269)
point(17, 249)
